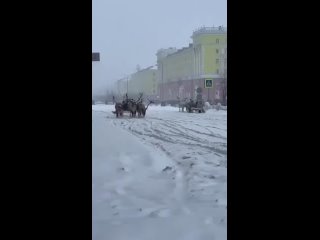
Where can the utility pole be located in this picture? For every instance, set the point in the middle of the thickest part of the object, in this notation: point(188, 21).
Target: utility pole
point(162, 81)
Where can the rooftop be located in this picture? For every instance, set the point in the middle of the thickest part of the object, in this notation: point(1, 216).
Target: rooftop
point(210, 30)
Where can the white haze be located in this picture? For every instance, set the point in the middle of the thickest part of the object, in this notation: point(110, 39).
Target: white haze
point(127, 33)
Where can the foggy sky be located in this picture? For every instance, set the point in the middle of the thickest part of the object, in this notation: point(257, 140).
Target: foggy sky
point(129, 32)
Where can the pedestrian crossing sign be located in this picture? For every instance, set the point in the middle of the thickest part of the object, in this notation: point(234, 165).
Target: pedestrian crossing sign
point(208, 83)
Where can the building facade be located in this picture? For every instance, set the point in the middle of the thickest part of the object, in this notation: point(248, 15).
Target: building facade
point(181, 72)
point(144, 81)
point(224, 73)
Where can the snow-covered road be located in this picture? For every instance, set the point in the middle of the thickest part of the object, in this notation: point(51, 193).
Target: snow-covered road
point(159, 177)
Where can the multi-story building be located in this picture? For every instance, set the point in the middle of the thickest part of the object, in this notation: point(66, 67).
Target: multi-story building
point(223, 72)
point(182, 71)
point(144, 81)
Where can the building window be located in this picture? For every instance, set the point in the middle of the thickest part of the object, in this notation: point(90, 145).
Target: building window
point(217, 61)
point(217, 41)
point(217, 51)
point(217, 71)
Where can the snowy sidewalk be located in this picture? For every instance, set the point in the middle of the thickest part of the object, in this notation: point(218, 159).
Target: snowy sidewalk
point(133, 198)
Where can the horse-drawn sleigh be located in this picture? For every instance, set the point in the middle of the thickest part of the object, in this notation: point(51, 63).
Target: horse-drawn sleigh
point(132, 106)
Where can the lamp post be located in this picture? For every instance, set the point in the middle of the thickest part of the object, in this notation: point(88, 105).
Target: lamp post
point(162, 87)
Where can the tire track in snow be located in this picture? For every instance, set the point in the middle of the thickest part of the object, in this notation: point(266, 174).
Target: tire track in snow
point(186, 142)
point(165, 130)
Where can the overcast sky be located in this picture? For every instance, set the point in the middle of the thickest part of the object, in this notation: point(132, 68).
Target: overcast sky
point(129, 32)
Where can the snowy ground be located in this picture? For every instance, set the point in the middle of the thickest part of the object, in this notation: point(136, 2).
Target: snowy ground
point(159, 177)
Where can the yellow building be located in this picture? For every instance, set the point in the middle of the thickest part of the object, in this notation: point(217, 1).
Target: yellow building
point(208, 44)
point(182, 71)
point(144, 81)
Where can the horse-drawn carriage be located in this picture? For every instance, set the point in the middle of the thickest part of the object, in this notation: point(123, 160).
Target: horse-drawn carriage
point(132, 106)
point(191, 106)
point(197, 106)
